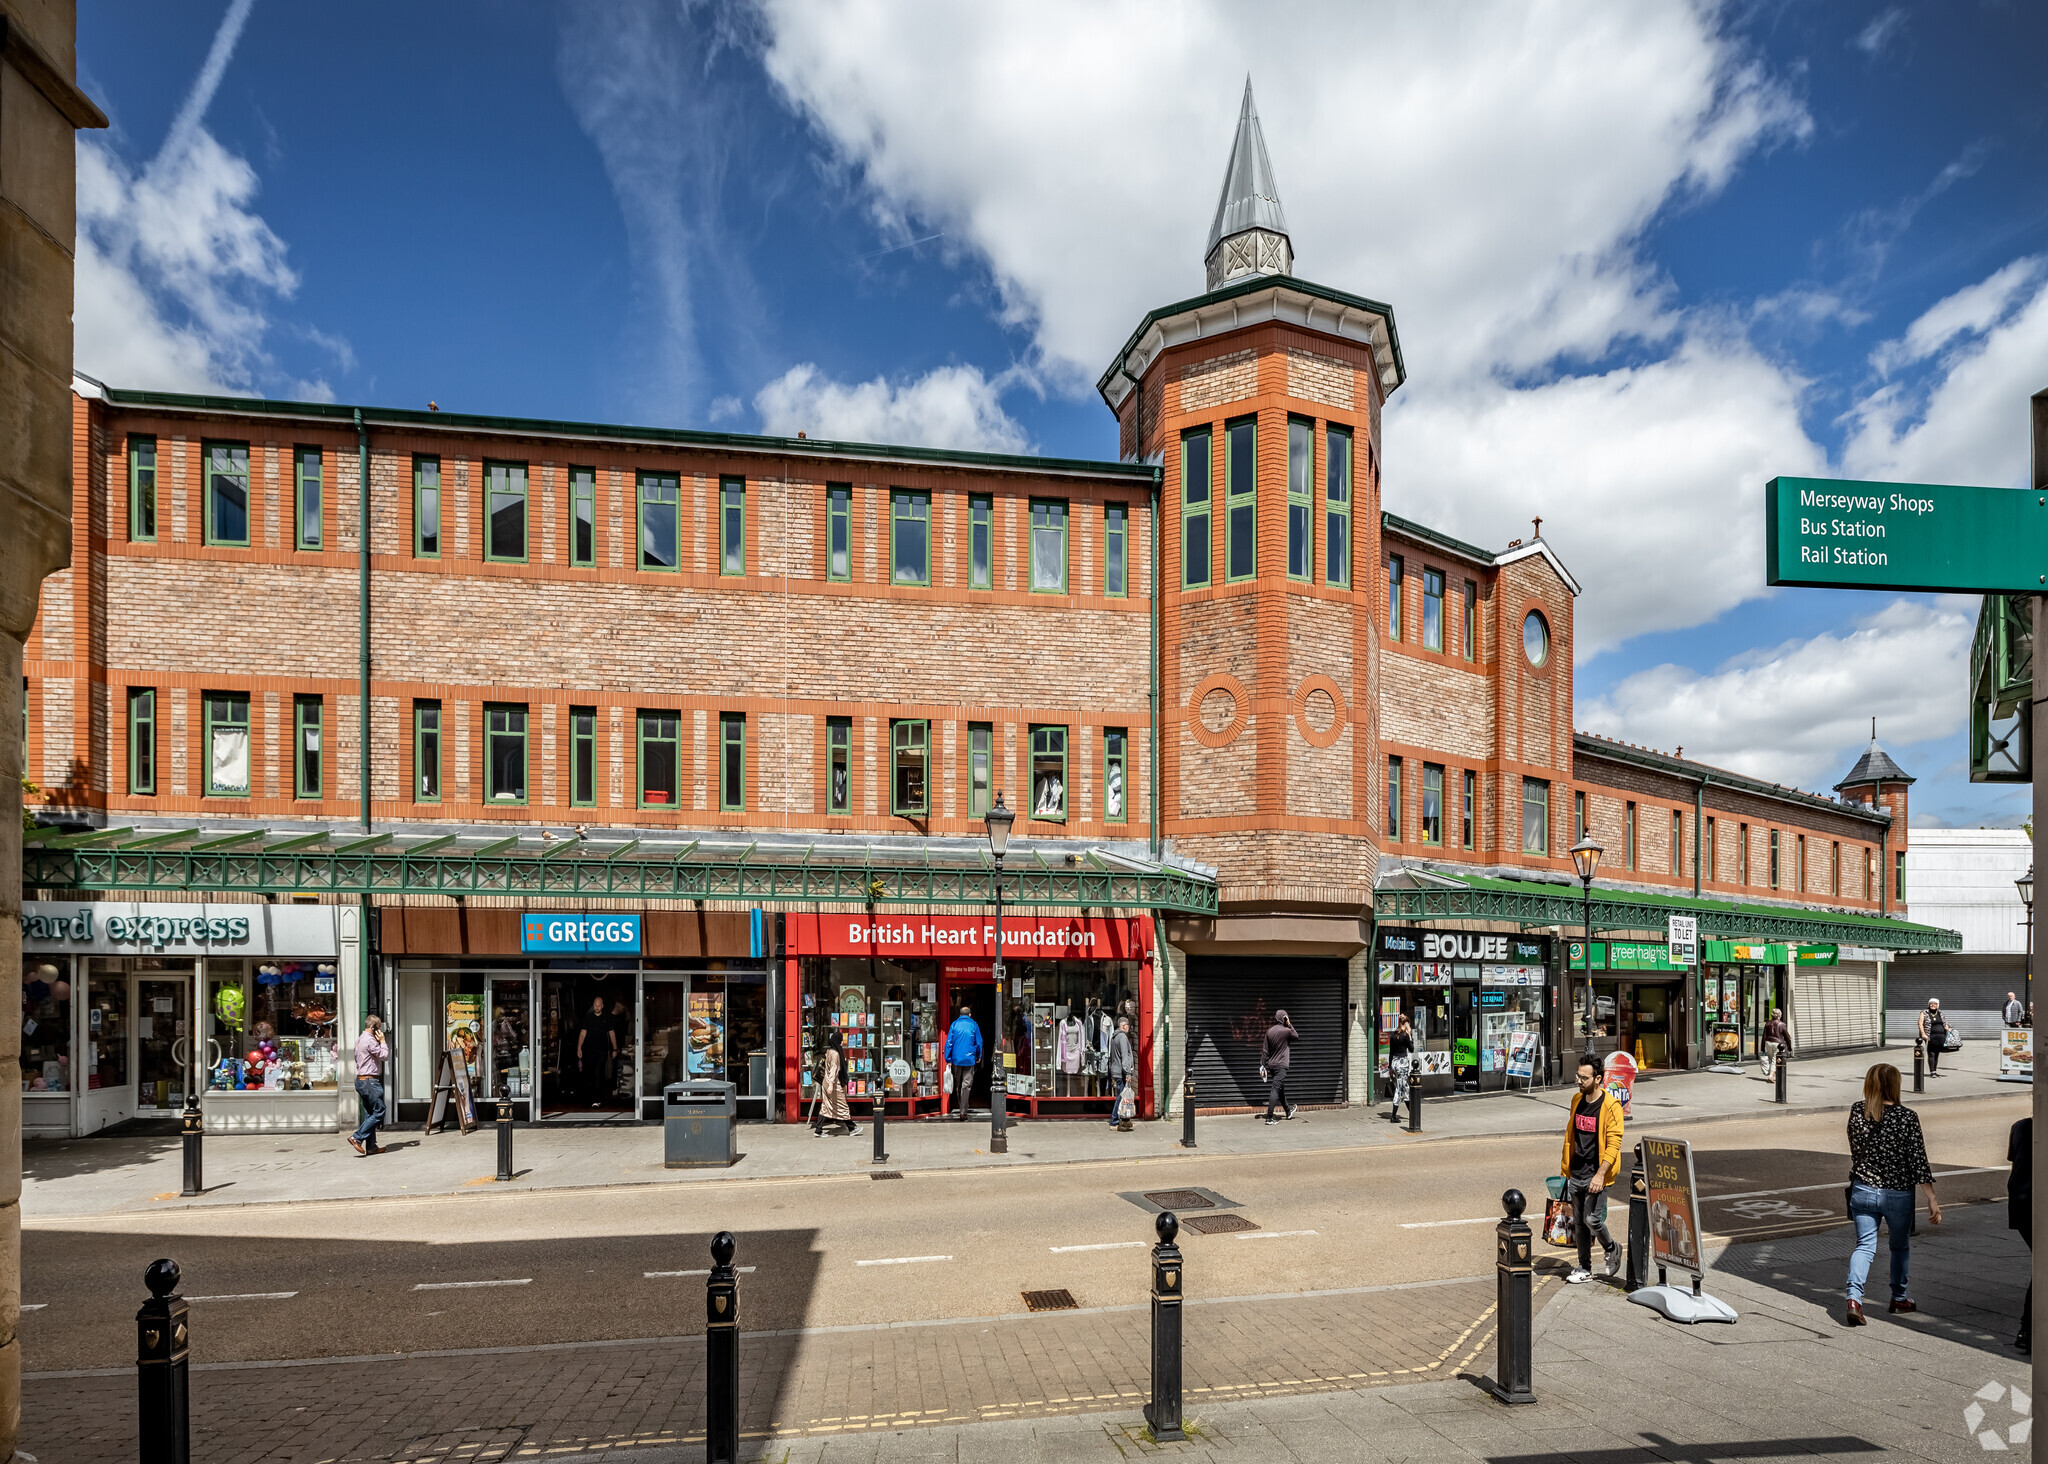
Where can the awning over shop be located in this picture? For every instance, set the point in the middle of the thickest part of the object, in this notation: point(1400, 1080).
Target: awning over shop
point(801, 871)
point(1412, 894)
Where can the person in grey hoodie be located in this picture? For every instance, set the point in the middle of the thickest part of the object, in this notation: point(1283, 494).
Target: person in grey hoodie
point(1121, 1066)
point(1280, 1038)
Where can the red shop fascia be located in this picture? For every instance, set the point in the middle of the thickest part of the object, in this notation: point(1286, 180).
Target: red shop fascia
point(964, 947)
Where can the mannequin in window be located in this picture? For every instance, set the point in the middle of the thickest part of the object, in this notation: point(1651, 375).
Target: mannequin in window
point(1067, 1056)
point(1052, 797)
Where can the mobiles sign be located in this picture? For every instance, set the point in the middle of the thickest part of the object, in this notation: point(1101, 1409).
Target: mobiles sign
point(1831, 533)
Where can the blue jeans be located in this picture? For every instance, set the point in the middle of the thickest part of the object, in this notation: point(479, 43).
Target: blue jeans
point(1868, 1205)
point(371, 1092)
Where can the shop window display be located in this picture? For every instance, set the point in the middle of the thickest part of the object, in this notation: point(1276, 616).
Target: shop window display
point(270, 1026)
point(46, 1024)
point(106, 1026)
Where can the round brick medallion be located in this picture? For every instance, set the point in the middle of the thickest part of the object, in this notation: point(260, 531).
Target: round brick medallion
point(1219, 709)
point(1319, 713)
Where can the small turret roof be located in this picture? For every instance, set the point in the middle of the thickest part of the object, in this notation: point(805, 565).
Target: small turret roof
point(1250, 198)
point(1875, 766)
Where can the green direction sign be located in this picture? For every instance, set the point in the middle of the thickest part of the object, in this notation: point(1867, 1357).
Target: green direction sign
point(1833, 533)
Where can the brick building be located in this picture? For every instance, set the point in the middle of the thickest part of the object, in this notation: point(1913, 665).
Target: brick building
point(751, 699)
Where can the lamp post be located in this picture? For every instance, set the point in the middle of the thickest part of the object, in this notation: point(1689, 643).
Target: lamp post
point(999, 820)
point(1586, 859)
point(2025, 885)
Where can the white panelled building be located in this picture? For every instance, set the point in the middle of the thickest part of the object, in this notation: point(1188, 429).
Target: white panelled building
point(1963, 879)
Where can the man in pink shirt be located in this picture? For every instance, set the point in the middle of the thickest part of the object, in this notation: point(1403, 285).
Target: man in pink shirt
point(372, 1052)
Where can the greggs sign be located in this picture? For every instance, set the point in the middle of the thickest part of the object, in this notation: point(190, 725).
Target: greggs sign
point(966, 937)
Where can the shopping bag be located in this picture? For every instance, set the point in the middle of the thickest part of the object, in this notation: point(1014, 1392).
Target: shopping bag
point(1555, 1184)
point(1557, 1223)
point(1127, 1104)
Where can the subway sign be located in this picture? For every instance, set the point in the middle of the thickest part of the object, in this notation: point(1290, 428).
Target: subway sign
point(566, 931)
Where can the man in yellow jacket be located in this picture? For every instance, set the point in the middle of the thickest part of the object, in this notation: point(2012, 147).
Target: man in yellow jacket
point(1591, 1162)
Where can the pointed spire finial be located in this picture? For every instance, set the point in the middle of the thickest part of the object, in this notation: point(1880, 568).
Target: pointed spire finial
point(1249, 235)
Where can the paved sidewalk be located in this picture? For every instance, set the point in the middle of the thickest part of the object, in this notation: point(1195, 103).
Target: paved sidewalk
point(114, 1175)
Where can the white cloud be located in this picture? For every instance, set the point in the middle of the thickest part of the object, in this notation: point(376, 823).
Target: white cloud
point(1786, 712)
point(1881, 32)
point(952, 407)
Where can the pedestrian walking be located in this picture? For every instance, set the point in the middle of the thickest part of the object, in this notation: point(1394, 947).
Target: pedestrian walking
point(2019, 1214)
point(1273, 1060)
point(1933, 1035)
point(372, 1052)
point(2014, 1012)
point(597, 1043)
point(1887, 1157)
point(1591, 1162)
point(963, 1056)
point(1400, 1063)
point(1777, 1041)
point(1121, 1066)
point(832, 1089)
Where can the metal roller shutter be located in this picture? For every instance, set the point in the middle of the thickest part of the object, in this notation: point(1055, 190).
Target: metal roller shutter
point(1231, 1001)
point(1835, 1007)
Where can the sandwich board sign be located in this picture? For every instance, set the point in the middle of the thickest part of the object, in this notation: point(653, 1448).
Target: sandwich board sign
point(1675, 1243)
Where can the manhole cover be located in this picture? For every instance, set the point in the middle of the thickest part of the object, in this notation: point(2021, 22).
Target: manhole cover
point(885, 1174)
point(1217, 1224)
point(1180, 1199)
point(1061, 1300)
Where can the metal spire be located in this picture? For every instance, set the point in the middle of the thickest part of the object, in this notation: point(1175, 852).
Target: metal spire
point(1248, 205)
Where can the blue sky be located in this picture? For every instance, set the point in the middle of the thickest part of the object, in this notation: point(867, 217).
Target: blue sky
point(1641, 259)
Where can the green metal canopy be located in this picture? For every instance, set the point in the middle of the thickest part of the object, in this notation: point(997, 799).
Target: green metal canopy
point(1435, 895)
point(837, 871)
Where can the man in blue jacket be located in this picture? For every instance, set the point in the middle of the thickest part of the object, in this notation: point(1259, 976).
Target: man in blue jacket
point(963, 1055)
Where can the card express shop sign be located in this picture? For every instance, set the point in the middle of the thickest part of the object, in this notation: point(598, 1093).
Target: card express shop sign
point(85, 927)
point(570, 931)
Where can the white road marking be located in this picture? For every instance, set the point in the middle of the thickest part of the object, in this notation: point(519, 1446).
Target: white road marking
point(35, 1306)
point(1101, 1245)
point(467, 1285)
point(1800, 1189)
point(1273, 1234)
point(650, 1275)
point(902, 1260)
point(1434, 1224)
point(249, 1296)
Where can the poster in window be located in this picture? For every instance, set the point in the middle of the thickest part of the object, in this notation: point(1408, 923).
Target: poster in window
point(707, 1034)
point(1049, 793)
point(465, 1013)
point(231, 759)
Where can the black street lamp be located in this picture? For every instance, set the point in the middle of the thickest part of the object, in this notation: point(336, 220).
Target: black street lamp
point(999, 820)
point(2025, 884)
point(1586, 859)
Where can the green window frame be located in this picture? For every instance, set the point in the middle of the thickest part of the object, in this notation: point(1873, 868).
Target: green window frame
point(1776, 873)
point(1049, 774)
point(306, 727)
point(1116, 802)
point(142, 490)
point(661, 760)
point(1628, 835)
point(1471, 636)
point(1742, 854)
point(142, 741)
point(228, 751)
point(981, 765)
point(1048, 546)
point(1432, 609)
point(1394, 800)
point(1471, 805)
point(1241, 499)
point(1116, 535)
point(981, 542)
point(505, 753)
point(1535, 816)
point(505, 514)
point(732, 526)
point(910, 537)
point(1195, 507)
point(226, 466)
point(583, 517)
point(658, 524)
point(1710, 857)
point(1396, 575)
point(839, 765)
point(1432, 829)
point(583, 757)
point(839, 531)
point(426, 751)
point(910, 761)
point(1578, 815)
point(1678, 842)
point(1337, 507)
point(307, 471)
point(732, 762)
point(1835, 868)
point(1301, 498)
point(426, 508)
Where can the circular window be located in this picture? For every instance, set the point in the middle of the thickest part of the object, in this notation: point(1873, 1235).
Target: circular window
point(1536, 638)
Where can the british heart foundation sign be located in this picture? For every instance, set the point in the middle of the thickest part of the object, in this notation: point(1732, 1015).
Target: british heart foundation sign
point(971, 937)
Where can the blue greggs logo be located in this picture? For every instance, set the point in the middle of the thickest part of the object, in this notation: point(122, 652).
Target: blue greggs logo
point(556, 930)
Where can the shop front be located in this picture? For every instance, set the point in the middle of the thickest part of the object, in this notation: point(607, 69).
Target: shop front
point(891, 985)
point(1634, 1002)
point(1741, 984)
point(129, 1008)
point(577, 1016)
point(1478, 1002)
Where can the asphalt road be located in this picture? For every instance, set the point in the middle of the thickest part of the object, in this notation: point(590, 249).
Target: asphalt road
point(367, 1277)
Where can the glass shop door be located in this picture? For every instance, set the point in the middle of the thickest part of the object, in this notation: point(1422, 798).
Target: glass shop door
point(163, 1044)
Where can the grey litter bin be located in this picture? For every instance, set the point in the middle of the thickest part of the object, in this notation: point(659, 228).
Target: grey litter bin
point(699, 1124)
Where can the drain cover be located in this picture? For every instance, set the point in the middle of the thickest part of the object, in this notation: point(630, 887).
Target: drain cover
point(885, 1174)
point(1180, 1199)
point(1061, 1300)
point(1217, 1224)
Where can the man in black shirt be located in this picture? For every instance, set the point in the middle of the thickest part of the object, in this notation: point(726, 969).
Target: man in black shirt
point(597, 1042)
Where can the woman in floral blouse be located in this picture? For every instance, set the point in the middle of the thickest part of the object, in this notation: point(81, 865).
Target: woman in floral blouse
point(1887, 1158)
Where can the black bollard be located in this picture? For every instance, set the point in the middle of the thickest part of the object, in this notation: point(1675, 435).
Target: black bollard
point(1163, 1412)
point(1187, 1114)
point(1415, 1099)
point(998, 1095)
point(1514, 1277)
point(163, 1346)
point(505, 1140)
point(722, 1354)
point(1637, 1272)
point(1779, 1075)
point(1919, 1064)
point(195, 1131)
point(881, 1125)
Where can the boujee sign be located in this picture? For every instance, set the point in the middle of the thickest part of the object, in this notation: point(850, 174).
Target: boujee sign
point(968, 937)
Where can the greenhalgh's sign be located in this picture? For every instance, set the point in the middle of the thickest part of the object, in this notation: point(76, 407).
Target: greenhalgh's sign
point(1832, 533)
